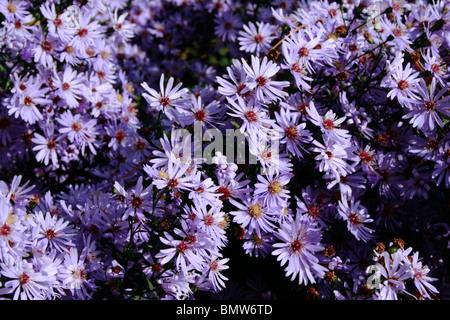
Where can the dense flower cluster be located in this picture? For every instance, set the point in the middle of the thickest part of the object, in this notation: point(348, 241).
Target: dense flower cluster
point(116, 175)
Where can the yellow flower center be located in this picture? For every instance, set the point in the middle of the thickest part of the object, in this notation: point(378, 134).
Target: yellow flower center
point(255, 211)
point(275, 187)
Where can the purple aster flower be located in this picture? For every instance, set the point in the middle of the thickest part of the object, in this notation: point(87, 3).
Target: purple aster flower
point(424, 112)
point(421, 278)
point(271, 189)
point(74, 274)
point(51, 232)
point(253, 215)
point(226, 26)
point(137, 200)
point(25, 102)
point(258, 245)
point(256, 38)
point(47, 146)
point(88, 30)
point(299, 241)
point(57, 23)
point(329, 124)
point(332, 158)
point(213, 269)
point(45, 49)
point(25, 283)
point(292, 133)
point(79, 130)
point(255, 119)
point(403, 84)
point(180, 250)
point(234, 82)
point(175, 178)
point(170, 99)
point(356, 217)
point(260, 75)
point(394, 272)
point(69, 86)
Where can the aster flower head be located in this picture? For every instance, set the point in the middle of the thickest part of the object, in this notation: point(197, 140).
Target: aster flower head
point(403, 84)
point(356, 217)
point(394, 272)
point(256, 38)
point(175, 178)
point(255, 119)
point(69, 86)
point(227, 25)
point(47, 145)
point(424, 112)
point(422, 279)
point(88, 30)
point(253, 215)
point(271, 189)
point(170, 99)
point(137, 200)
point(298, 241)
point(51, 232)
point(291, 132)
point(213, 269)
point(24, 102)
point(180, 250)
point(79, 130)
point(329, 124)
point(45, 48)
point(260, 75)
point(57, 23)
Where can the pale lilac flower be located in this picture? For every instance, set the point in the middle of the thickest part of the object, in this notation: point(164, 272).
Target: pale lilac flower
point(170, 99)
point(181, 251)
point(436, 65)
point(74, 275)
point(70, 86)
point(329, 124)
point(45, 48)
point(25, 283)
point(332, 158)
point(137, 200)
point(256, 38)
point(356, 217)
point(47, 146)
point(260, 75)
point(403, 84)
point(421, 278)
point(257, 246)
point(52, 233)
point(12, 9)
point(255, 121)
point(24, 103)
point(211, 221)
point(424, 112)
point(296, 66)
point(299, 241)
point(253, 215)
point(233, 84)
point(123, 28)
point(205, 114)
point(271, 189)
point(88, 30)
point(57, 23)
point(175, 178)
point(81, 130)
point(394, 272)
point(291, 132)
point(213, 269)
